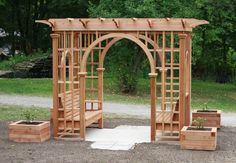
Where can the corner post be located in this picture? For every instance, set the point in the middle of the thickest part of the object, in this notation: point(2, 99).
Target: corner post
point(153, 105)
point(55, 38)
point(100, 94)
point(182, 78)
point(82, 104)
point(189, 79)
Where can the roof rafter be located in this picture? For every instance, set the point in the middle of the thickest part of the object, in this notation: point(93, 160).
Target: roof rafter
point(123, 24)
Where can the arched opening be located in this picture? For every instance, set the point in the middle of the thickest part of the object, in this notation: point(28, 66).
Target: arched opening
point(118, 35)
point(115, 38)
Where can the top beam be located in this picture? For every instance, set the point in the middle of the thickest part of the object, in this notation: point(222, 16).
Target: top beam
point(123, 24)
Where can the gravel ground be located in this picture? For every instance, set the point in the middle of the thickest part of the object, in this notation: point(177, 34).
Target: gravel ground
point(138, 111)
point(79, 151)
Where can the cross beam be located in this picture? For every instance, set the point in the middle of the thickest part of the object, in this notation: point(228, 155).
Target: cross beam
point(123, 24)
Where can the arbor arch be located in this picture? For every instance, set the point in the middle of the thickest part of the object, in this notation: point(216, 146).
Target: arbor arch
point(118, 35)
point(170, 40)
point(114, 40)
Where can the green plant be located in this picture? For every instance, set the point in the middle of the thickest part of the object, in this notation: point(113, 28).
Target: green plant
point(199, 122)
point(29, 115)
point(205, 106)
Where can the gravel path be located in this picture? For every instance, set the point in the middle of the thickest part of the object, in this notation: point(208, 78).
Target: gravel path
point(54, 151)
point(138, 111)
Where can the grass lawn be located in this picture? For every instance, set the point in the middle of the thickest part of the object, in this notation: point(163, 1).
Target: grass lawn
point(15, 113)
point(219, 96)
point(12, 112)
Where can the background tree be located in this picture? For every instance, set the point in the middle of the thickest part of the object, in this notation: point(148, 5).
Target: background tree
point(214, 45)
point(18, 17)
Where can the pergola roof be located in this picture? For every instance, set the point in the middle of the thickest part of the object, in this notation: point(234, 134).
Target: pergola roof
point(123, 24)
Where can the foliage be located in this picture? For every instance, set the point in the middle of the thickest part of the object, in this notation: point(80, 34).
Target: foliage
point(205, 106)
point(214, 45)
point(18, 20)
point(29, 115)
point(12, 112)
point(126, 63)
point(216, 40)
point(19, 58)
point(199, 122)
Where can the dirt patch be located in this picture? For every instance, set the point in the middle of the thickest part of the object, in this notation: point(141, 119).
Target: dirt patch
point(80, 151)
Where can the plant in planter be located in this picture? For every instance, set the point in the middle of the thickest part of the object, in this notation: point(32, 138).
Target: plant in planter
point(213, 117)
point(29, 130)
point(198, 137)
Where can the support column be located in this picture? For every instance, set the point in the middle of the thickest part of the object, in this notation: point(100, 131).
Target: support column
point(182, 87)
point(188, 80)
point(82, 104)
point(54, 115)
point(100, 94)
point(153, 105)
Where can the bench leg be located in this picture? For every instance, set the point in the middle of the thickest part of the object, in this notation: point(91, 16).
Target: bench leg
point(100, 123)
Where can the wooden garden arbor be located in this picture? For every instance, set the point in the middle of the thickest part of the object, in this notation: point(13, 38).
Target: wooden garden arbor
point(79, 49)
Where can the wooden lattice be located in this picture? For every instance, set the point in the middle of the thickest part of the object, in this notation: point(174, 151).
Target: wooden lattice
point(79, 50)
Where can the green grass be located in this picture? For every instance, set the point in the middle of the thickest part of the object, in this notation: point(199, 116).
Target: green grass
point(11, 112)
point(217, 96)
point(34, 87)
point(15, 113)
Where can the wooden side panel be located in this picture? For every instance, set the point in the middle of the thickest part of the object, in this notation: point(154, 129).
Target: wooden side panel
point(153, 106)
point(213, 119)
point(198, 140)
point(29, 133)
point(182, 80)
point(55, 38)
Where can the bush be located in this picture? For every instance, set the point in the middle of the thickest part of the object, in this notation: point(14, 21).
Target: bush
point(19, 58)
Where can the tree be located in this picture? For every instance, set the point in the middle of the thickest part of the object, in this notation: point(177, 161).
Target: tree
point(18, 17)
point(217, 38)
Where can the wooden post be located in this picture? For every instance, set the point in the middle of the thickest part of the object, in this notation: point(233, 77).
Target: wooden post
point(76, 58)
point(82, 104)
point(100, 94)
point(55, 38)
point(182, 92)
point(153, 105)
point(188, 85)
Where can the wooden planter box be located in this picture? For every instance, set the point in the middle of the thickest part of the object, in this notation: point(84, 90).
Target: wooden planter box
point(213, 118)
point(206, 139)
point(22, 132)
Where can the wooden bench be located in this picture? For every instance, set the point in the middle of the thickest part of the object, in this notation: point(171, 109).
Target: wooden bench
point(168, 120)
point(69, 112)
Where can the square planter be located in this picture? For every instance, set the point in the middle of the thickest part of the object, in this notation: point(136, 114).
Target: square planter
point(193, 138)
point(213, 117)
point(37, 131)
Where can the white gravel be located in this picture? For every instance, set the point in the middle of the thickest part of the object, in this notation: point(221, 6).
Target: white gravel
point(138, 111)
